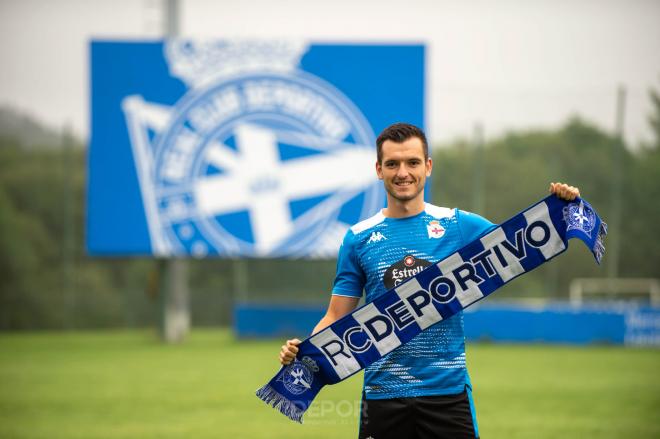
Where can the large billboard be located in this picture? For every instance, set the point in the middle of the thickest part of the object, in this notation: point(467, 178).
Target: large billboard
point(240, 148)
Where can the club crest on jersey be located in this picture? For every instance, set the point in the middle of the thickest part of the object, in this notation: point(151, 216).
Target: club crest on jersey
point(435, 230)
point(579, 217)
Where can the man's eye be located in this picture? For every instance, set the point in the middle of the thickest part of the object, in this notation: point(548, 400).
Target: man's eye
point(390, 164)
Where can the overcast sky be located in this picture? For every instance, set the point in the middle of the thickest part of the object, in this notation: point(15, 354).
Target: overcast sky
point(508, 64)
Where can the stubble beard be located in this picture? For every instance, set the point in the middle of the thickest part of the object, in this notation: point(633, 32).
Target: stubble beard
point(392, 192)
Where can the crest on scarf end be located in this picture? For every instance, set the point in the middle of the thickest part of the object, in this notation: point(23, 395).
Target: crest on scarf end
point(580, 217)
point(299, 375)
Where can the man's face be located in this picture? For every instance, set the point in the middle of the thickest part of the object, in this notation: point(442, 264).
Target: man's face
point(404, 169)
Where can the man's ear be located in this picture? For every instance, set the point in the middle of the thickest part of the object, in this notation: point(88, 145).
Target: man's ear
point(379, 170)
point(429, 166)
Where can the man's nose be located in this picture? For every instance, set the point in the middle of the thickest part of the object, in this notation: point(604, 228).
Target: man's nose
point(402, 171)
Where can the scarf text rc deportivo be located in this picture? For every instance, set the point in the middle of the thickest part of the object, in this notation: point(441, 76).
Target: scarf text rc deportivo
point(362, 337)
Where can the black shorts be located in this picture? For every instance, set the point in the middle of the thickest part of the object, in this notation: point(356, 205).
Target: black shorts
point(422, 417)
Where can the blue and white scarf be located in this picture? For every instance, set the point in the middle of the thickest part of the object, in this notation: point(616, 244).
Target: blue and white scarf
point(362, 337)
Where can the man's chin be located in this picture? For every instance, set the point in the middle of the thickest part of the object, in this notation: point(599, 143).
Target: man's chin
point(406, 196)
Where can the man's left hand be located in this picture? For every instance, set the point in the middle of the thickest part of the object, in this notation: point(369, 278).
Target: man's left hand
point(564, 191)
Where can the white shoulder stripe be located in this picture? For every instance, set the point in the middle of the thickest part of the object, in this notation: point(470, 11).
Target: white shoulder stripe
point(368, 223)
point(439, 212)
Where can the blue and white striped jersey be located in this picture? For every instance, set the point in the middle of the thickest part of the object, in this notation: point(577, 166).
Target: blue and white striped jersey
point(379, 253)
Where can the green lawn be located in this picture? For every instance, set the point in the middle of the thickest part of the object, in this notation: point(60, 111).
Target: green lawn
point(122, 384)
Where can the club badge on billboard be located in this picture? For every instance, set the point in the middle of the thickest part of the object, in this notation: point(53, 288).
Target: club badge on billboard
point(257, 158)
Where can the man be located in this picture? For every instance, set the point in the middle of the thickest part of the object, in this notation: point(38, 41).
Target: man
point(421, 389)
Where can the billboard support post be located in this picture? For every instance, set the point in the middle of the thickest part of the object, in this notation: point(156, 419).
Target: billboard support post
point(175, 292)
point(175, 300)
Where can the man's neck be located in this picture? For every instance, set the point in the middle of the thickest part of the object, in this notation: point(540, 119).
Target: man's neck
point(402, 209)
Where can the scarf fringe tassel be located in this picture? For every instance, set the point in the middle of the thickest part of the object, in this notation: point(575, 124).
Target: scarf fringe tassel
point(273, 398)
point(599, 246)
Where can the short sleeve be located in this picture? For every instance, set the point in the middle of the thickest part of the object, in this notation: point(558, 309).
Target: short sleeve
point(350, 279)
point(472, 225)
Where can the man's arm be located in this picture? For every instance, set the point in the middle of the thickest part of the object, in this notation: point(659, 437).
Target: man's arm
point(339, 306)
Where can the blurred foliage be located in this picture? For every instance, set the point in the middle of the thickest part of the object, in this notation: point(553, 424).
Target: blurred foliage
point(517, 171)
point(48, 281)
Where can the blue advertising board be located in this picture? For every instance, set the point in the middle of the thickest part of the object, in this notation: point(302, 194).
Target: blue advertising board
point(240, 148)
point(629, 324)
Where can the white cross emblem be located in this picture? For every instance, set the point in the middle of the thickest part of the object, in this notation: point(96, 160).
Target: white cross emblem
point(580, 216)
point(258, 181)
point(298, 375)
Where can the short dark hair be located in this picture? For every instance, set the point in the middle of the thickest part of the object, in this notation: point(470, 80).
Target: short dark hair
point(400, 132)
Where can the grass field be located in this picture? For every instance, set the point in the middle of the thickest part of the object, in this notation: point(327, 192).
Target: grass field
point(128, 385)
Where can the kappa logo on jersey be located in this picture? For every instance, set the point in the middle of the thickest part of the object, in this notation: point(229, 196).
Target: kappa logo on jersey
point(376, 237)
point(435, 229)
point(402, 270)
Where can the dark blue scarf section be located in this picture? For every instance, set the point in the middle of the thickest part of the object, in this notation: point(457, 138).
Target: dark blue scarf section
point(517, 246)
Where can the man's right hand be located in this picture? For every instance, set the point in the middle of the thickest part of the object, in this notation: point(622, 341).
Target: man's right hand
point(289, 351)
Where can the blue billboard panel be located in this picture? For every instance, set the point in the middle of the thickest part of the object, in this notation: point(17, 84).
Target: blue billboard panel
point(240, 148)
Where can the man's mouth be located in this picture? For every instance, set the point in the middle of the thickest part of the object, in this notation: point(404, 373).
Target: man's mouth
point(403, 183)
